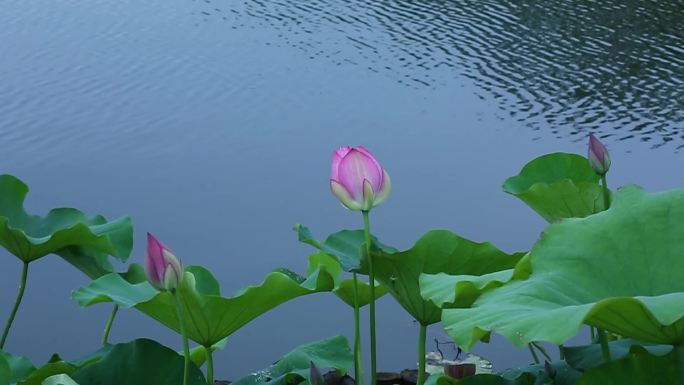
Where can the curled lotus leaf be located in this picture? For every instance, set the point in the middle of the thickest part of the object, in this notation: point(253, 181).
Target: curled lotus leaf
point(621, 270)
point(212, 316)
point(558, 186)
point(85, 242)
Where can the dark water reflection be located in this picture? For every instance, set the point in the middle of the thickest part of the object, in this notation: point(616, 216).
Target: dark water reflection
point(558, 66)
point(212, 122)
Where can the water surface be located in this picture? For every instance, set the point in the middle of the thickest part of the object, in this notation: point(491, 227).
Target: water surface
point(212, 123)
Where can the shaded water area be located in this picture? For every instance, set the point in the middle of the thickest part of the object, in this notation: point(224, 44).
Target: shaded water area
point(212, 123)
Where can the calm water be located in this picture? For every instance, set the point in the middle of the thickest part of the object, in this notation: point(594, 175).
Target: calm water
point(212, 123)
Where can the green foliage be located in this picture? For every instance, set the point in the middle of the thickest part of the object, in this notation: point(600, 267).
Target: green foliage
point(558, 186)
point(82, 241)
point(59, 379)
point(19, 367)
point(344, 289)
point(639, 368)
point(213, 317)
point(568, 281)
point(348, 246)
point(56, 365)
point(590, 356)
point(561, 374)
point(435, 252)
point(198, 354)
point(293, 367)
point(140, 362)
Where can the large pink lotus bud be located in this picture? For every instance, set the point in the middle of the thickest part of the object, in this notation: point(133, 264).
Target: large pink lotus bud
point(163, 269)
point(598, 156)
point(357, 179)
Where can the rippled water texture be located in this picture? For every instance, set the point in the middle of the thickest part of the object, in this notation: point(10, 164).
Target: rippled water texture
point(559, 66)
point(212, 123)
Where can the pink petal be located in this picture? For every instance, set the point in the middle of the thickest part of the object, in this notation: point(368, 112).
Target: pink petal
point(357, 167)
point(338, 155)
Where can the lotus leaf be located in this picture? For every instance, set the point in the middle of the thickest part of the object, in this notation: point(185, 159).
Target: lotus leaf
point(344, 289)
point(82, 241)
point(293, 367)
point(19, 367)
point(140, 362)
point(558, 186)
point(621, 270)
point(590, 356)
point(211, 316)
point(639, 368)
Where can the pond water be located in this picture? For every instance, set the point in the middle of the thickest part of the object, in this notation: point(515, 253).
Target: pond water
point(212, 123)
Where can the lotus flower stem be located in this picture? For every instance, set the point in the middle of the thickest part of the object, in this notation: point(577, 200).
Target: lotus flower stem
point(186, 346)
point(606, 192)
point(108, 327)
point(210, 365)
point(358, 366)
point(371, 281)
point(17, 302)
point(534, 354)
point(421, 354)
point(605, 350)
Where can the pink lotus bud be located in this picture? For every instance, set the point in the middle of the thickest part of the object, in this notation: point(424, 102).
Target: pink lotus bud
point(598, 156)
point(164, 271)
point(357, 179)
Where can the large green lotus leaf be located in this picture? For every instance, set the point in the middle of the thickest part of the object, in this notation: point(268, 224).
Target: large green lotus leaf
point(344, 289)
point(437, 251)
point(293, 367)
point(639, 368)
point(591, 356)
point(20, 367)
point(448, 291)
point(559, 373)
point(84, 242)
point(210, 317)
point(348, 246)
point(621, 270)
point(558, 186)
point(56, 365)
point(59, 379)
point(140, 362)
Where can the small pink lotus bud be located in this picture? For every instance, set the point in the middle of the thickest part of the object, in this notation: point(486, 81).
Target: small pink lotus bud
point(598, 156)
point(163, 269)
point(315, 376)
point(357, 179)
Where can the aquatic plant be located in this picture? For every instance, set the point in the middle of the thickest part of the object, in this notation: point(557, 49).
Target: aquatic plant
point(360, 183)
point(611, 262)
point(84, 242)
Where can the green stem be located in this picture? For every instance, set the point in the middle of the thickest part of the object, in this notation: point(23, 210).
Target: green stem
point(358, 366)
point(593, 334)
point(17, 302)
point(534, 354)
point(421, 354)
point(605, 350)
point(371, 281)
point(606, 192)
point(543, 351)
point(186, 346)
point(108, 327)
point(561, 351)
point(210, 365)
